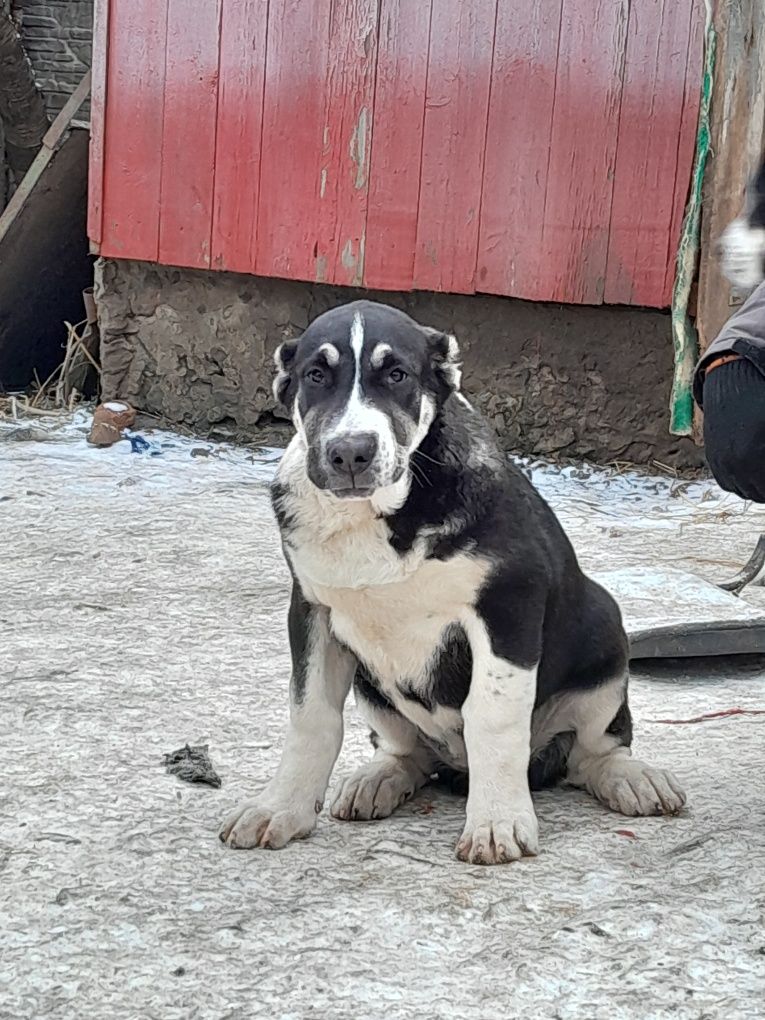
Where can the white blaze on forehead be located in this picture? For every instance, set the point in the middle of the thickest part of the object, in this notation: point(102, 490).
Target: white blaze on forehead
point(357, 339)
point(355, 405)
point(379, 354)
point(360, 416)
point(331, 354)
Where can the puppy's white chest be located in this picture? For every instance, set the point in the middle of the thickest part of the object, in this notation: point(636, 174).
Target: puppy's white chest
point(390, 609)
point(354, 558)
point(396, 627)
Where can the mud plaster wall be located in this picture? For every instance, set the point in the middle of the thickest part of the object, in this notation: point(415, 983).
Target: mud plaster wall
point(196, 348)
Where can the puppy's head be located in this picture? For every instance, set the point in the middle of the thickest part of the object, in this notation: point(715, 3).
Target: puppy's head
point(741, 247)
point(363, 385)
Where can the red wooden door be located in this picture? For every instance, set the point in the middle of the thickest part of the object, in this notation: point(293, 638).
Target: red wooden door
point(534, 148)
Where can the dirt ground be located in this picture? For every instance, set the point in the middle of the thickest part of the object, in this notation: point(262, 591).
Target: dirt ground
point(142, 606)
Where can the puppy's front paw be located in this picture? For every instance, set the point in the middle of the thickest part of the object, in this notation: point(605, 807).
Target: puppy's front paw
point(499, 836)
point(260, 823)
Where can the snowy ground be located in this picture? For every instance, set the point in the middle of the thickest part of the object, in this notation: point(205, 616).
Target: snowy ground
point(142, 606)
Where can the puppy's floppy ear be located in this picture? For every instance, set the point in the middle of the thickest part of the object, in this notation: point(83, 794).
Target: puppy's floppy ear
point(444, 357)
point(282, 388)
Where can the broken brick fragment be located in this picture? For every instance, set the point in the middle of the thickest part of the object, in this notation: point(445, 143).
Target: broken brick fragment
point(109, 420)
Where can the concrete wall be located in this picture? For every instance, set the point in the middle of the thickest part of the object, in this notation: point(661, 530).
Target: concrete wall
point(58, 36)
point(196, 347)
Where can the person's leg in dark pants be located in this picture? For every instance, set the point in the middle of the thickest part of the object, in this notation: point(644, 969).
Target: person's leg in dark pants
point(734, 428)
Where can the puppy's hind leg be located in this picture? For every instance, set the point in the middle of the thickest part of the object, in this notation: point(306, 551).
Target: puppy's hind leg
point(601, 761)
point(400, 766)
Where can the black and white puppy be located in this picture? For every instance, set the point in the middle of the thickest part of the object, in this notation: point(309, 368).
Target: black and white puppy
point(431, 576)
point(742, 244)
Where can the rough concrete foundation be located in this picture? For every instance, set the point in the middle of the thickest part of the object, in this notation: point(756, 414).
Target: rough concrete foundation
point(196, 348)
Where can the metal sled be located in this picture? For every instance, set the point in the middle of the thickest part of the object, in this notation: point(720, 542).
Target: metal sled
point(671, 613)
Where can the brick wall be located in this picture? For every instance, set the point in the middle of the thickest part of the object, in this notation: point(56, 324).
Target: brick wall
point(58, 37)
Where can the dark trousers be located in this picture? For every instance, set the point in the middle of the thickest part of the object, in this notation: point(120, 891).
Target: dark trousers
point(734, 428)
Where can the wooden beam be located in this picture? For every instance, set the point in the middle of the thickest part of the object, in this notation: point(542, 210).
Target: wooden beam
point(737, 125)
point(98, 121)
point(49, 145)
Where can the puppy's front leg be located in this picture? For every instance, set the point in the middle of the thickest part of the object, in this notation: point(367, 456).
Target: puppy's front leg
point(501, 824)
point(322, 672)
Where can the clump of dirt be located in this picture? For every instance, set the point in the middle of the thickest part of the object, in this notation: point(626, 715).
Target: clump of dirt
point(192, 765)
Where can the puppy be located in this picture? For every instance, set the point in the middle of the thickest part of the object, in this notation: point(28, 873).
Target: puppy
point(429, 575)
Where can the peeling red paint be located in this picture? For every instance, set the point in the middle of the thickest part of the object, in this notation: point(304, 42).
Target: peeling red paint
point(535, 148)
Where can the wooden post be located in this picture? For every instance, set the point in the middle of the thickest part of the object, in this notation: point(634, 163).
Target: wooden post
point(48, 147)
point(737, 123)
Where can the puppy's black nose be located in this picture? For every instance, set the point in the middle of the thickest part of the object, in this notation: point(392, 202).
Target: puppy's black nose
point(352, 455)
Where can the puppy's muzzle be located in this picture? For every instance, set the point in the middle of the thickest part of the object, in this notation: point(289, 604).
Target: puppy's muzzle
point(351, 463)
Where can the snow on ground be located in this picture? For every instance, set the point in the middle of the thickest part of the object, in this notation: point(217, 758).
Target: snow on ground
point(142, 606)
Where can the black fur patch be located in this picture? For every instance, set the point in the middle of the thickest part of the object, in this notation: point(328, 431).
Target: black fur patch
point(756, 198)
point(298, 626)
point(453, 667)
point(621, 725)
point(450, 673)
point(548, 766)
point(280, 505)
point(407, 691)
point(367, 688)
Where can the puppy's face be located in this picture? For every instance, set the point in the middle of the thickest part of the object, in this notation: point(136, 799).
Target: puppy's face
point(363, 385)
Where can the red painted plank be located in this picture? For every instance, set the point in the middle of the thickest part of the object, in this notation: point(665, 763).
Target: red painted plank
point(687, 142)
point(505, 181)
point(97, 121)
point(394, 182)
point(518, 146)
point(188, 142)
point(293, 127)
point(344, 171)
point(456, 111)
point(239, 124)
point(133, 131)
point(647, 151)
point(582, 152)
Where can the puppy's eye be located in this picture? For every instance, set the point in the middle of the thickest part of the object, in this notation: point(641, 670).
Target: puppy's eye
point(397, 375)
point(315, 375)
